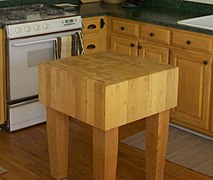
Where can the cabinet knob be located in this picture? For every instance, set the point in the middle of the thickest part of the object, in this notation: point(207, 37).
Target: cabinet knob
point(140, 47)
point(205, 62)
point(122, 28)
point(132, 44)
point(151, 34)
point(188, 42)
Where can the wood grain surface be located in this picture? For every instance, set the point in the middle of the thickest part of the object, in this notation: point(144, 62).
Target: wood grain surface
point(25, 154)
point(58, 141)
point(2, 79)
point(106, 89)
point(105, 153)
point(156, 145)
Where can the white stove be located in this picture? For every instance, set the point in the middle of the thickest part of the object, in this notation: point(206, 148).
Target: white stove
point(38, 19)
point(34, 34)
point(43, 27)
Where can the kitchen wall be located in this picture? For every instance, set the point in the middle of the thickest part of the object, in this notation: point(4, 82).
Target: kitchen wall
point(9, 3)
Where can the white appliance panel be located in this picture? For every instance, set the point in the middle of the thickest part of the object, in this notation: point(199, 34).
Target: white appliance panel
point(23, 66)
point(26, 115)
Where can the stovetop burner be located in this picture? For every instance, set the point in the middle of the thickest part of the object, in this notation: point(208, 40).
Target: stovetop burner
point(31, 13)
point(51, 12)
point(16, 17)
point(30, 8)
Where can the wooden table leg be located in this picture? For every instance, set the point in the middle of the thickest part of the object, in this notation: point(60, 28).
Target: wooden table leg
point(105, 151)
point(58, 139)
point(156, 145)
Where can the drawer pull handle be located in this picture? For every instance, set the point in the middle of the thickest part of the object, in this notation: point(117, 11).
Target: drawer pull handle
point(205, 62)
point(91, 26)
point(189, 42)
point(132, 44)
point(140, 47)
point(102, 23)
point(122, 28)
point(91, 46)
point(152, 34)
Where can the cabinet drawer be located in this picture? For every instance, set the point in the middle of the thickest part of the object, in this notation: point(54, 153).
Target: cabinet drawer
point(191, 41)
point(91, 44)
point(123, 27)
point(155, 34)
point(91, 26)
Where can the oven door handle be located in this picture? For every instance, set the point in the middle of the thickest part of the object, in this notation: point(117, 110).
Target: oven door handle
point(35, 42)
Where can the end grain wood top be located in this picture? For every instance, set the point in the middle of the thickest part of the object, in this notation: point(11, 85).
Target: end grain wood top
point(108, 67)
point(106, 89)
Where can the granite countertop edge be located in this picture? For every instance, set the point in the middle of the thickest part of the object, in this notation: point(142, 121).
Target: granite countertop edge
point(170, 23)
point(174, 25)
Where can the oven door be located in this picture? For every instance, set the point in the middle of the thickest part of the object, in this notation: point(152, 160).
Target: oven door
point(24, 57)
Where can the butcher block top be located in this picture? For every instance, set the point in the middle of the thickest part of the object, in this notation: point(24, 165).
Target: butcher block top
point(107, 89)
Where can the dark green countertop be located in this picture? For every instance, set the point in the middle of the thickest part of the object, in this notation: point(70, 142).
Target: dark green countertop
point(149, 14)
point(153, 15)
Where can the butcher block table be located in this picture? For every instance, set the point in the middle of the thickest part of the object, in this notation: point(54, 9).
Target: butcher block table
point(107, 90)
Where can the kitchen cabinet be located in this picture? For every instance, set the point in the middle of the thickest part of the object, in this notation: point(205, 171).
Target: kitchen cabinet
point(2, 79)
point(94, 34)
point(194, 89)
point(154, 43)
point(124, 45)
point(124, 36)
point(136, 48)
point(138, 39)
point(154, 52)
point(192, 53)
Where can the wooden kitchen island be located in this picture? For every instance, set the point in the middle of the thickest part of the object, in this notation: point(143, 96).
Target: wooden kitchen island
point(107, 90)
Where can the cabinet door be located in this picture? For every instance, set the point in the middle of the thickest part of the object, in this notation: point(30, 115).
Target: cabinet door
point(2, 81)
point(154, 52)
point(124, 45)
point(194, 89)
point(94, 34)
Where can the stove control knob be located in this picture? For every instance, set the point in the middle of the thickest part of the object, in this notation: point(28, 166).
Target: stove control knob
point(18, 29)
point(36, 27)
point(45, 26)
point(27, 28)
